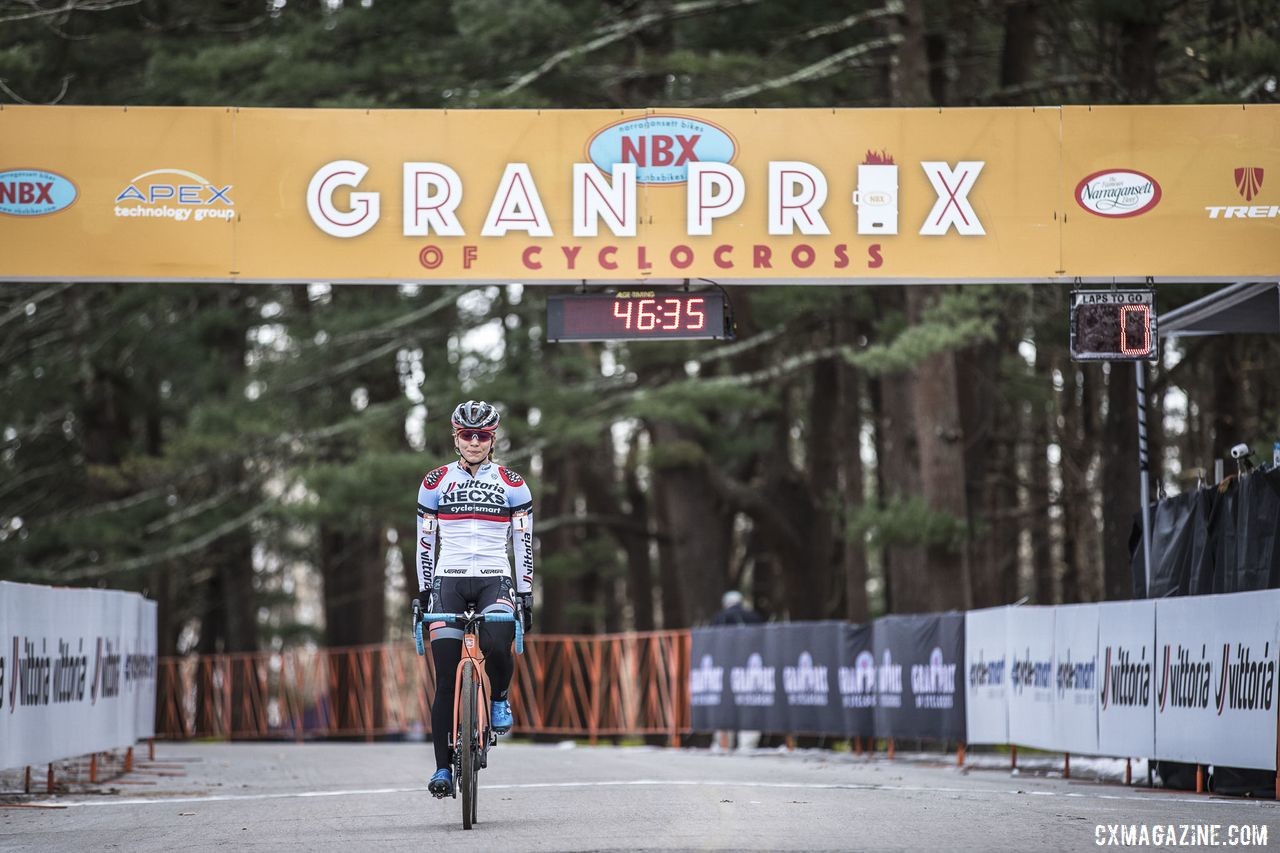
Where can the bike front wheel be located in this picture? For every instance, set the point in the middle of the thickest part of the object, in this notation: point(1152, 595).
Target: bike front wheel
point(467, 744)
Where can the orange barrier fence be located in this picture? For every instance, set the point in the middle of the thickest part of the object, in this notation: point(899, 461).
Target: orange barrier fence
point(575, 686)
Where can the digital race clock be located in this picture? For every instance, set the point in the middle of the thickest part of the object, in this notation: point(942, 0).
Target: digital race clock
point(1113, 325)
point(637, 315)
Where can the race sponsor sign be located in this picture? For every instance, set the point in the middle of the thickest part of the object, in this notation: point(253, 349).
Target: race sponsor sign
point(1032, 694)
point(919, 686)
point(986, 664)
point(653, 194)
point(858, 680)
point(1075, 678)
point(77, 672)
point(1215, 678)
point(1126, 677)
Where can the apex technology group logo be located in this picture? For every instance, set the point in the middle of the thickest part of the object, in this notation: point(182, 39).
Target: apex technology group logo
point(858, 682)
point(753, 684)
point(934, 683)
point(805, 683)
point(175, 194)
point(706, 682)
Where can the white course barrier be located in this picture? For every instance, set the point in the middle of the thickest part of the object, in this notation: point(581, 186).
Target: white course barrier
point(77, 672)
point(1182, 679)
point(1215, 699)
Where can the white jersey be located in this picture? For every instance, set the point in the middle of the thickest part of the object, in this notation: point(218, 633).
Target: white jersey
point(474, 516)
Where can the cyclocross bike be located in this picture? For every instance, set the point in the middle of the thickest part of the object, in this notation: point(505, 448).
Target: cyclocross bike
point(471, 736)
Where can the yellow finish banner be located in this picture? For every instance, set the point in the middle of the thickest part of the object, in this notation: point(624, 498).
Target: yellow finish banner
point(747, 196)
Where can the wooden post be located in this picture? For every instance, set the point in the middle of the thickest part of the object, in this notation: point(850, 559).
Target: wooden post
point(791, 743)
point(857, 746)
point(890, 749)
point(93, 769)
point(26, 782)
point(49, 781)
point(1199, 778)
point(128, 760)
point(151, 749)
point(1128, 771)
point(1013, 757)
point(960, 755)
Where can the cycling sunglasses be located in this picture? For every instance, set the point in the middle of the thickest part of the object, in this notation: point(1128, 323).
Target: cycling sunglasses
point(474, 435)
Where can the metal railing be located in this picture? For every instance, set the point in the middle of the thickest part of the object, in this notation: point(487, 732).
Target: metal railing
point(574, 686)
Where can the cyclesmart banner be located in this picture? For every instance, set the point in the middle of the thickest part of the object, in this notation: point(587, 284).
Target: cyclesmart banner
point(77, 672)
point(1127, 653)
point(917, 691)
point(1031, 688)
point(664, 195)
point(1216, 659)
point(986, 664)
point(1075, 678)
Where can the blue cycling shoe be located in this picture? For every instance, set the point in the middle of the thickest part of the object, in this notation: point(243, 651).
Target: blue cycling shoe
point(441, 784)
point(500, 716)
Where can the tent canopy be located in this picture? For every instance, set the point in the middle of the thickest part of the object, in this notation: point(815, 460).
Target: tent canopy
point(1248, 308)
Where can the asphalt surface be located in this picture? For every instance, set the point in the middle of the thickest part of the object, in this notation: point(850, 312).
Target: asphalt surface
point(355, 797)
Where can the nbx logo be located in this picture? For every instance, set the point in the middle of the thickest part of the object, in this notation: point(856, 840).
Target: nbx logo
point(26, 192)
point(1249, 181)
point(659, 150)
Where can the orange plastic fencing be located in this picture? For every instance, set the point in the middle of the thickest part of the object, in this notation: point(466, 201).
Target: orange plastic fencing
point(567, 685)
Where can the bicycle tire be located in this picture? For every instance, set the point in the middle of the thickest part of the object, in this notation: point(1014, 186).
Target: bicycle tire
point(467, 744)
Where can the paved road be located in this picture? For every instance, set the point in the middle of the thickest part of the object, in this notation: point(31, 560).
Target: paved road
point(355, 797)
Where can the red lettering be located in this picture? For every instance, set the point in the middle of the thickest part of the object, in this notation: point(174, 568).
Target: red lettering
point(681, 257)
point(660, 149)
point(26, 193)
point(722, 257)
point(842, 256)
point(44, 197)
point(760, 257)
point(802, 256)
point(686, 148)
point(642, 259)
point(606, 259)
point(571, 254)
point(529, 257)
point(469, 255)
point(873, 252)
point(631, 151)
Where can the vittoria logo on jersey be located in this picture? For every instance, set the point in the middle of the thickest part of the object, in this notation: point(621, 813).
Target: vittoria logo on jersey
point(474, 498)
point(433, 479)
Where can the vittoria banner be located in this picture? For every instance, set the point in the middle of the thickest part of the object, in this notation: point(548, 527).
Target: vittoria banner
point(738, 196)
point(919, 688)
point(1215, 678)
point(986, 664)
point(1032, 692)
point(77, 672)
point(1126, 677)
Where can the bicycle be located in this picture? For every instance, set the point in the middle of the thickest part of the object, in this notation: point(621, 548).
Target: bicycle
point(471, 736)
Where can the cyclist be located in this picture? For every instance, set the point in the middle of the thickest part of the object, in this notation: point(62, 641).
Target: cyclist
point(474, 506)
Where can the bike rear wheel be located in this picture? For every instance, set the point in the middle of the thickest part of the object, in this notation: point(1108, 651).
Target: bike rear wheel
point(467, 744)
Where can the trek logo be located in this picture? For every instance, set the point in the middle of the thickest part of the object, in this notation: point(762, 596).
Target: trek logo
point(34, 192)
point(661, 147)
point(1248, 183)
point(174, 194)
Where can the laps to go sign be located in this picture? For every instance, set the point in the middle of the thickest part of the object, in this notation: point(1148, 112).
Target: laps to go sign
point(637, 315)
point(1113, 325)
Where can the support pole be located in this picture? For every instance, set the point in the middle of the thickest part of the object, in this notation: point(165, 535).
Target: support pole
point(93, 769)
point(1144, 470)
point(891, 748)
point(1199, 778)
point(1013, 757)
point(1128, 771)
point(1066, 765)
point(26, 781)
point(48, 785)
point(960, 755)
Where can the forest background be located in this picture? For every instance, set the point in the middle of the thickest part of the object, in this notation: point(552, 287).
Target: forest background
point(249, 455)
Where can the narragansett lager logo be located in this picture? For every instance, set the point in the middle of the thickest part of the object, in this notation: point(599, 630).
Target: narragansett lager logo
point(1118, 193)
